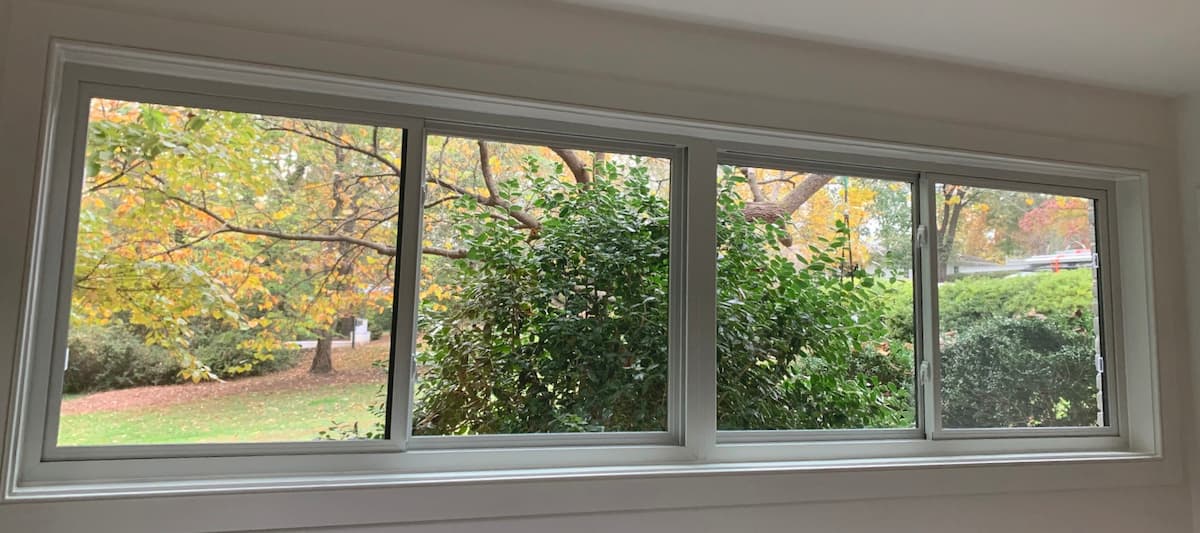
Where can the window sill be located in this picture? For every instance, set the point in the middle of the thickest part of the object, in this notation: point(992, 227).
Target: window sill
point(1070, 470)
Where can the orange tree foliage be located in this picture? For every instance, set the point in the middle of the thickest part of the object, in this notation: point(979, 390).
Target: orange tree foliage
point(194, 219)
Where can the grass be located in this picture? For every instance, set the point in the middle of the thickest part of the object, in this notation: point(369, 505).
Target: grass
point(253, 417)
point(296, 412)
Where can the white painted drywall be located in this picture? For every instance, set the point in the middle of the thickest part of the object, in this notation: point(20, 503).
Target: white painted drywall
point(1189, 171)
point(541, 50)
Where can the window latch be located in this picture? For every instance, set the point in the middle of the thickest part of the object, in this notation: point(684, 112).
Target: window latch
point(926, 373)
point(922, 237)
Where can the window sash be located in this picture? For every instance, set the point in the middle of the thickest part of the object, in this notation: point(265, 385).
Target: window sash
point(673, 433)
point(1109, 347)
point(74, 122)
point(745, 157)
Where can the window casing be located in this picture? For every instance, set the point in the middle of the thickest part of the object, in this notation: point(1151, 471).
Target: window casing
point(695, 151)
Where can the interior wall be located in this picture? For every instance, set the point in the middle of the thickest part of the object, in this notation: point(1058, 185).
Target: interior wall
point(1189, 171)
point(5, 19)
point(1151, 510)
point(540, 50)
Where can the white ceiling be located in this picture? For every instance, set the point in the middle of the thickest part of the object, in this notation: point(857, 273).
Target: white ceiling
point(1144, 45)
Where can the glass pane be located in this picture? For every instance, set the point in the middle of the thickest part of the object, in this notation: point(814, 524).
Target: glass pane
point(233, 278)
point(543, 305)
point(1018, 309)
point(815, 324)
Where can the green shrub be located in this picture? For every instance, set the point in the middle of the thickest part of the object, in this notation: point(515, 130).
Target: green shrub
point(379, 322)
point(224, 352)
point(1012, 372)
point(565, 333)
point(560, 333)
point(802, 344)
point(114, 357)
point(1059, 295)
point(1063, 295)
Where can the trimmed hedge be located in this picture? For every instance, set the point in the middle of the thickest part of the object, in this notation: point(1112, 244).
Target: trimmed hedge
point(114, 357)
point(1063, 295)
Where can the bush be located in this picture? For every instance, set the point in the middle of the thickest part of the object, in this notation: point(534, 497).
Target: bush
point(802, 344)
point(1064, 295)
point(114, 357)
point(561, 333)
point(1059, 295)
point(379, 322)
point(565, 333)
point(225, 353)
point(1012, 372)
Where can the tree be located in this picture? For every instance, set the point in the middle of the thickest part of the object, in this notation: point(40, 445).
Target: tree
point(285, 227)
point(192, 216)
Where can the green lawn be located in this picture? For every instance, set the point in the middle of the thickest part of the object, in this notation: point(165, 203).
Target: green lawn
point(288, 415)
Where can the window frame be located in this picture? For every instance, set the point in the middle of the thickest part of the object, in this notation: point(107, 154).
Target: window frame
point(1106, 303)
point(910, 178)
point(672, 435)
point(694, 445)
point(74, 115)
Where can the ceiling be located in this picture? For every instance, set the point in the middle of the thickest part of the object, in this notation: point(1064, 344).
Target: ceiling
point(1150, 46)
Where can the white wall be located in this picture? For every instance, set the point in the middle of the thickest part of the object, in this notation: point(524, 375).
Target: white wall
point(4, 20)
point(535, 49)
point(1189, 171)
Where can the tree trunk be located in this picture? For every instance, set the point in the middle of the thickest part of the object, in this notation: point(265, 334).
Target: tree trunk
point(948, 230)
point(322, 362)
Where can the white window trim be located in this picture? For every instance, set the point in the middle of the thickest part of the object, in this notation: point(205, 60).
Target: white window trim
point(697, 448)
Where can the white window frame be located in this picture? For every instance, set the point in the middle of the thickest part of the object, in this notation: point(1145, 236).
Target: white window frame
point(691, 443)
point(672, 435)
point(911, 178)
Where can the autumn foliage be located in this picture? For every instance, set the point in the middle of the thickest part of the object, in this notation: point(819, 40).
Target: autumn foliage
point(545, 281)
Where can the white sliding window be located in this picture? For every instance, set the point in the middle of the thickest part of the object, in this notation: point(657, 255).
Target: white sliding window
point(262, 274)
point(545, 290)
point(233, 278)
point(1020, 307)
point(816, 327)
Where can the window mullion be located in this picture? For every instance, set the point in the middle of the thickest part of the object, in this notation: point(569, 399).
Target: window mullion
point(696, 331)
point(929, 362)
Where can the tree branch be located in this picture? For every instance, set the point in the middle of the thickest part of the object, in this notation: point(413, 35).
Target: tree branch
point(452, 254)
point(752, 180)
point(440, 201)
point(575, 163)
point(382, 249)
point(373, 155)
point(190, 243)
point(485, 166)
point(772, 211)
point(493, 198)
point(124, 172)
